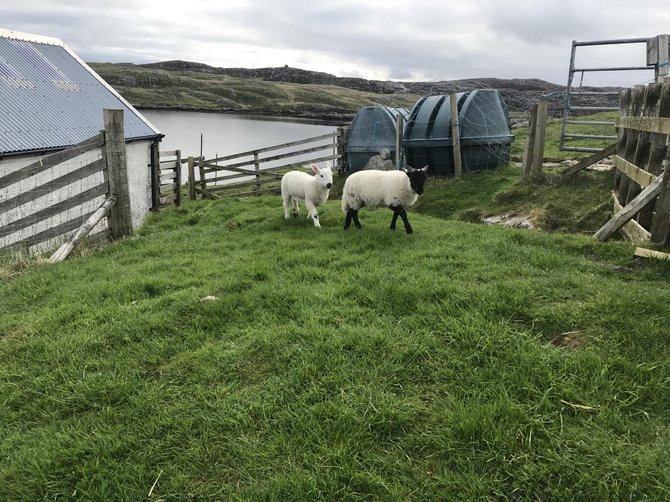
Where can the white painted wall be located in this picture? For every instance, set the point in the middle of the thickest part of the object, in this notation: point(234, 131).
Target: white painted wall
point(138, 156)
point(138, 159)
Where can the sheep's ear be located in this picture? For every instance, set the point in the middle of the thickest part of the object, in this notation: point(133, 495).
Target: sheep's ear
point(315, 168)
point(425, 169)
point(409, 169)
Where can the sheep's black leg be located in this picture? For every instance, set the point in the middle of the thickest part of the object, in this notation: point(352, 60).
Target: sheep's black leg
point(395, 216)
point(347, 221)
point(354, 215)
point(403, 215)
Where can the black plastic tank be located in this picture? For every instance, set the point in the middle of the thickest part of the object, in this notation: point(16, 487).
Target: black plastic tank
point(373, 129)
point(484, 128)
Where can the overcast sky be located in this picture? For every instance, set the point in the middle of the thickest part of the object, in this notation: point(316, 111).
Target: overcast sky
point(374, 39)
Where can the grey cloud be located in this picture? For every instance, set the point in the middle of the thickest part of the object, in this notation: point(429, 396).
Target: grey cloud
point(432, 39)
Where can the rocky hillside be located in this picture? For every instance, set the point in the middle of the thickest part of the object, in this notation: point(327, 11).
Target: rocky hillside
point(184, 85)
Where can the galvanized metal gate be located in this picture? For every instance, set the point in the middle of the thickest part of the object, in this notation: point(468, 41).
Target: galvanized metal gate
point(575, 108)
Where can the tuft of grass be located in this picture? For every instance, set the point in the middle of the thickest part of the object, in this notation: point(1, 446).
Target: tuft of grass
point(231, 354)
point(576, 204)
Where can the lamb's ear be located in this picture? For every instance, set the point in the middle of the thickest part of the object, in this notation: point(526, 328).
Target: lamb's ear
point(424, 169)
point(409, 169)
point(315, 168)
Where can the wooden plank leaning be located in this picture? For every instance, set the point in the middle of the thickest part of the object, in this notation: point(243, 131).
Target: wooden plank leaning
point(65, 250)
point(591, 159)
point(630, 210)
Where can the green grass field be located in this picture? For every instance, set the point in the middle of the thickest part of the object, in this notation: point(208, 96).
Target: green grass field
point(224, 353)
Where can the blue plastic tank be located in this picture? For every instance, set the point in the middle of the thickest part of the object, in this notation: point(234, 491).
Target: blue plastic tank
point(484, 129)
point(372, 130)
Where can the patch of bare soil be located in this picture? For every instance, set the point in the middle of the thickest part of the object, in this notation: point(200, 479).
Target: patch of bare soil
point(509, 221)
point(569, 340)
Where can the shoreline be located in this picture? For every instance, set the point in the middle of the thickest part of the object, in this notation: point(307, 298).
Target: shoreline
point(305, 117)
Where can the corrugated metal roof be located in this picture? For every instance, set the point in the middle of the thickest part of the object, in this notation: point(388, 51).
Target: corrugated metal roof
point(50, 99)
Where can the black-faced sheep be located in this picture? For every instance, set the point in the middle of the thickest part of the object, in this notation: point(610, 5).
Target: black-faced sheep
point(397, 190)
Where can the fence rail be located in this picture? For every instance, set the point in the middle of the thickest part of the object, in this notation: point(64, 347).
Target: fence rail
point(11, 202)
point(234, 175)
point(169, 179)
point(642, 161)
point(38, 201)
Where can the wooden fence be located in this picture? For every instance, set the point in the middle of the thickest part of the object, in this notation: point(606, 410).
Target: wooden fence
point(166, 179)
point(642, 176)
point(256, 172)
point(59, 173)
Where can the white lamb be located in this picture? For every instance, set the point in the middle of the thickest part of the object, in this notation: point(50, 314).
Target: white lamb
point(314, 190)
point(373, 189)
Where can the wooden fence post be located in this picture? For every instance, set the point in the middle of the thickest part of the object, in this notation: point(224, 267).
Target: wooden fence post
point(191, 178)
point(257, 168)
point(658, 54)
point(178, 180)
point(399, 129)
point(660, 228)
point(455, 135)
point(203, 176)
point(529, 152)
point(540, 135)
point(114, 154)
point(533, 155)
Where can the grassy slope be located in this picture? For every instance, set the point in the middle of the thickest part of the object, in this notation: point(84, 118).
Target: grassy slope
point(331, 365)
point(150, 88)
point(576, 204)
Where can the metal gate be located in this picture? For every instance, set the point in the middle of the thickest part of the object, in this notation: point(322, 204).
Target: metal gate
point(575, 95)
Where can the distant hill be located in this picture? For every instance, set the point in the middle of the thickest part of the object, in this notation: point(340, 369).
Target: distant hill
point(184, 85)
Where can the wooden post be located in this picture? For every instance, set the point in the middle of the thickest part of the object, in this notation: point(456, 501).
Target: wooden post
point(643, 151)
point(178, 180)
point(540, 135)
point(203, 176)
point(257, 168)
point(632, 136)
point(114, 154)
point(455, 135)
point(529, 152)
point(625, 98)
point(658, 54)
point(155, 178)
point(191, 178)
point(399, 129)
point(660, 227)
